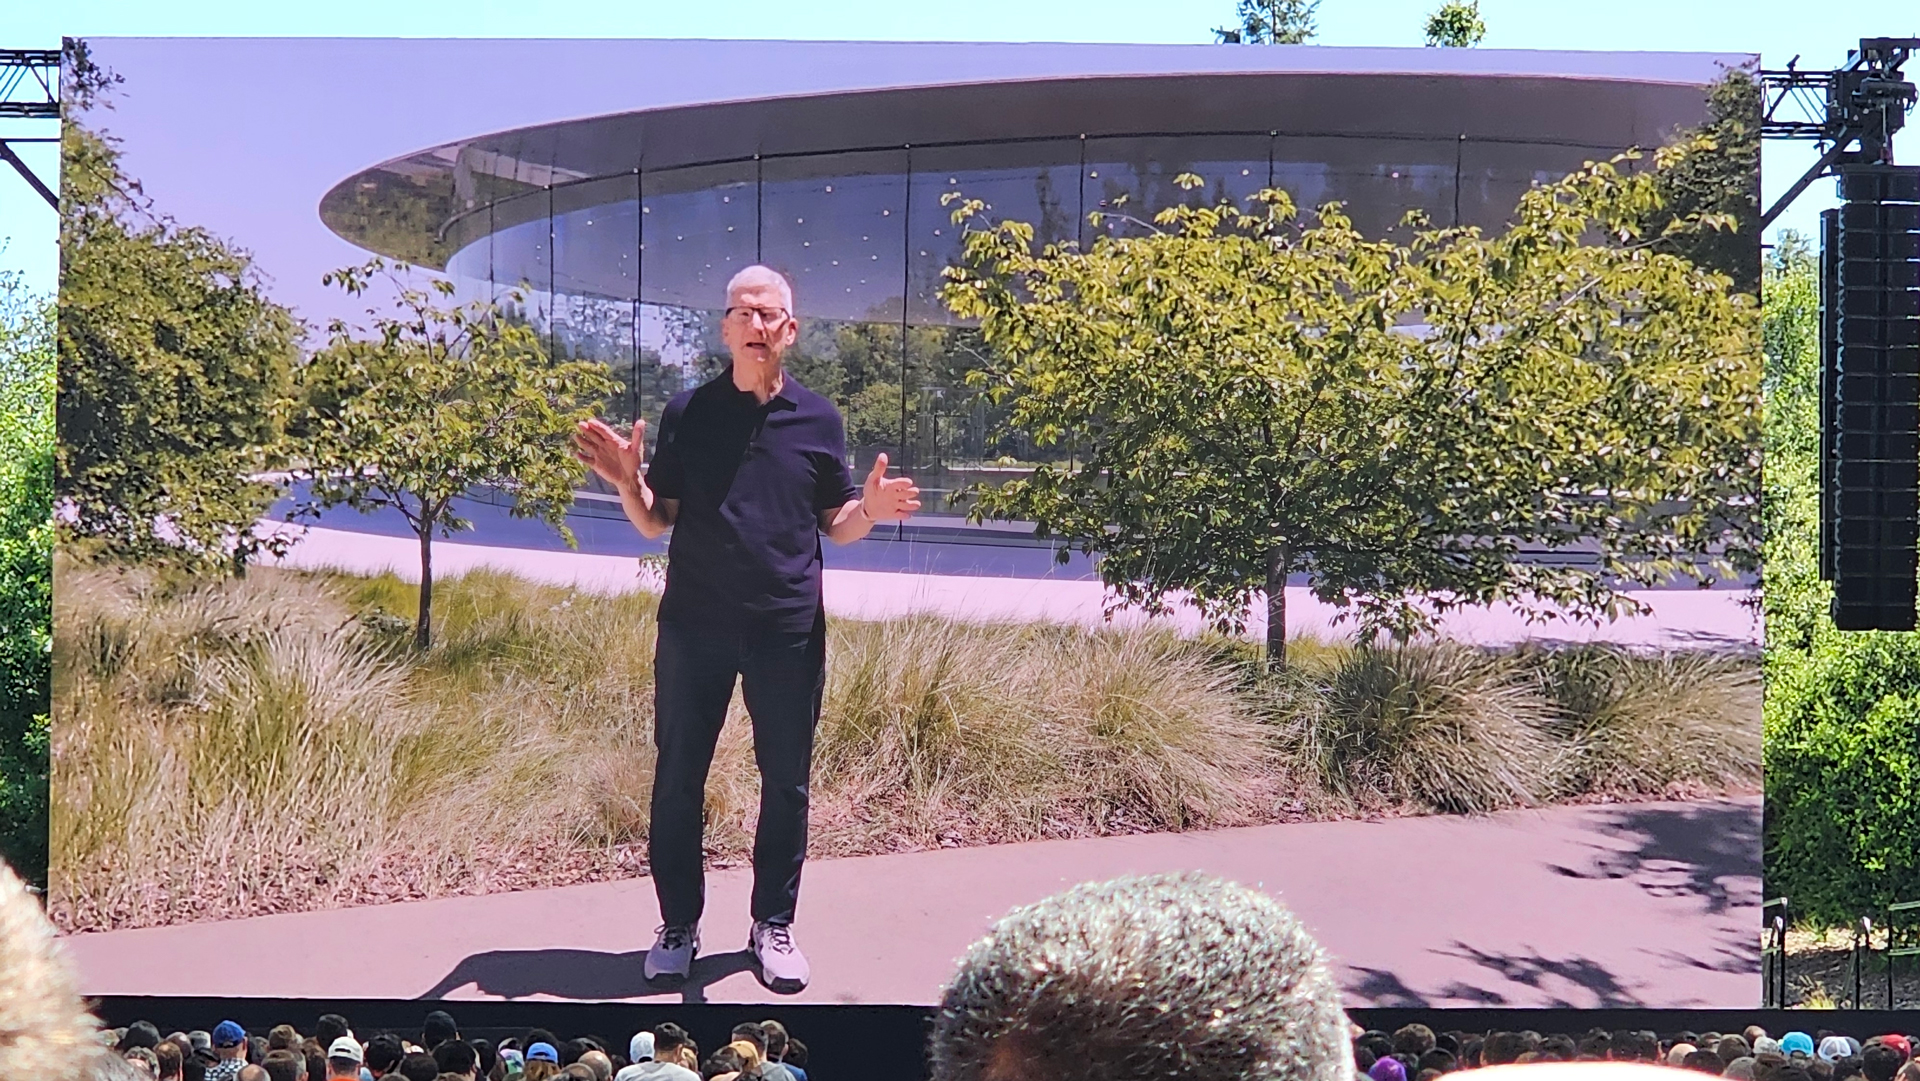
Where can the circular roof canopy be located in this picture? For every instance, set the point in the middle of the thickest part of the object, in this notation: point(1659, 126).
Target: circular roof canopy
point(711, 101)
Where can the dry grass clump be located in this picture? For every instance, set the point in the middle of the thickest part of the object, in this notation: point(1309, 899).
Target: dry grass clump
point(272, 743)
point(1431, 726)
point(942, 732)
point(1648, 724)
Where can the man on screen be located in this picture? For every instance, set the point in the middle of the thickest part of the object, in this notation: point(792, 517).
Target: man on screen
point(749, 469)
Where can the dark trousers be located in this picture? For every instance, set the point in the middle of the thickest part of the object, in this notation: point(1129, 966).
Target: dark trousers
point(782, 676)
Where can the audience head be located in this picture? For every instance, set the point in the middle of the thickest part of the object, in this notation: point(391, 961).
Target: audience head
point(667, 1038)
point(455, 1057)
point(168, 1058)
point(1880, 1061)
point(437, 1029)
point(282, 1064)
point(599, 1062)
point(344, 1057)
point(253, 1071)
point(1061, 989)
point(776, 1034)
point(419, 1066)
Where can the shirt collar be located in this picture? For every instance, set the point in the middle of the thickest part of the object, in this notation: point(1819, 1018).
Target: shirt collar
point(785, 397)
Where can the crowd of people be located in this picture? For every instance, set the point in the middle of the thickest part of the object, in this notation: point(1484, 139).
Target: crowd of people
point(1417, 1053)
point(331, 1051)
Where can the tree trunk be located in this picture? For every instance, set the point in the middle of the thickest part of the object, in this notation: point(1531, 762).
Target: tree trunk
point(1279, 560)
point(422, 631)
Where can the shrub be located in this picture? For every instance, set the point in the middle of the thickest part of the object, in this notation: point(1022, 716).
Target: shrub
point(1643, 724)
point(1436, 725)
point(1842, 835)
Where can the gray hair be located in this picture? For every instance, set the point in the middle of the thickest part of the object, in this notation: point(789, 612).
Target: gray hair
point(760, 275)
point(45, 1029)
point(1177, 976)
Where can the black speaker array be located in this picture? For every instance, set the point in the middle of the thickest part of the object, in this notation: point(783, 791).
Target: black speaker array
point(1870, 400)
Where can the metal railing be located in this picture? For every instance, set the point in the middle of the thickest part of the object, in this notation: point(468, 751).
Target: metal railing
point(1773, 953)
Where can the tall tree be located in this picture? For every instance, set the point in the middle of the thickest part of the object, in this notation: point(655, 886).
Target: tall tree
point(1251, 399)
point(431, 402)
point(26, 573)
point(1456, 25)
point(1270, 22)
point(173, 366)
point(1719, 174)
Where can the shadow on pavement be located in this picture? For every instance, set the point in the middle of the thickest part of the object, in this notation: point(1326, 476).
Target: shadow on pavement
point(581, 974)
point(1533, 971)
point(1702, 851)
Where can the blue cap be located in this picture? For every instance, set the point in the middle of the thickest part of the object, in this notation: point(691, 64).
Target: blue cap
point(1797, 1042)
point(228, 1034)
point(542, 1052)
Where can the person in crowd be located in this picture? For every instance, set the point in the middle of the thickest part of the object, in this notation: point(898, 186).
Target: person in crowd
point(543, 1061)
point(656, 1057)
point(437, 1029)
point(750, 469)
point(1055, 990)
point(774, 1035)
point(725, 1064)
point(419, 1066)
point(144, 1058)
point(457, 1058)
point(230, 1048)
point(345, 1058)
point(599, 1062)
point(796, 1058)
point(253, 1071)
point(283, 1064)
point(168, 1060)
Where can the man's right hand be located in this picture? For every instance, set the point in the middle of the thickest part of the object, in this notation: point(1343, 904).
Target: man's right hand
point(615, 458)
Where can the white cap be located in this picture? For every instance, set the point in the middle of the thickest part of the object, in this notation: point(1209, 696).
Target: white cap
point(345, 1047)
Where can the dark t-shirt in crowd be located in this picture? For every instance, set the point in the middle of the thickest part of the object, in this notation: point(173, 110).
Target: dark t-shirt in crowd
point(752, 480)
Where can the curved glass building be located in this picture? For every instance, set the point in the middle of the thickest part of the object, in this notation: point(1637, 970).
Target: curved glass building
point(616, 233)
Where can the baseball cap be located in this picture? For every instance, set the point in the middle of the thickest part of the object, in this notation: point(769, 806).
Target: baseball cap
point(542, 1052)
point(1796, 1043)
point(640, 1048)
point(346, 1047)
point(1898, 1043)
point(1834, 1048)
point(228, 1034)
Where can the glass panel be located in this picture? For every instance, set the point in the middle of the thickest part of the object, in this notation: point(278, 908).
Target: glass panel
point(1378, 180)
point(835, 224)
point(1035, 182)
point(596, 278)
point(1131, 180)
point(700, 227)
point(1493, 176)
point(522, 259)
point(957, 438)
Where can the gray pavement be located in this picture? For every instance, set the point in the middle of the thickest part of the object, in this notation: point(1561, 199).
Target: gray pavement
point(1653, 904)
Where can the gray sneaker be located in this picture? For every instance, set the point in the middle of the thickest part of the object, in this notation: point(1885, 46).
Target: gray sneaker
point(783, 968)
point(672, 955)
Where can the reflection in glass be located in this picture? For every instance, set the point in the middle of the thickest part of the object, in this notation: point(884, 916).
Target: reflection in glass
point(1130, 180)
point(1376, 180)
point(835, 225)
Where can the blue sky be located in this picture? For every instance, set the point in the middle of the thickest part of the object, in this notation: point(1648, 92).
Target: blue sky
point(1775, 29)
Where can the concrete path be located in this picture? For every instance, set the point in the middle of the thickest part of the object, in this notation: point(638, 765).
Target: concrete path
point(1680, 617)
point(1653, 905)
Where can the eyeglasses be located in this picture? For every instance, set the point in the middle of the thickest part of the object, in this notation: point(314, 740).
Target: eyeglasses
point(771, 318)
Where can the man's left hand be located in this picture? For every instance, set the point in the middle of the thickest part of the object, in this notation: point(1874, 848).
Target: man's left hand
point(888, 499)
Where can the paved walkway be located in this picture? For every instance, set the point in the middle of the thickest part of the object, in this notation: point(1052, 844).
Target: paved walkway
point(1681, 617)
point(1653, 905)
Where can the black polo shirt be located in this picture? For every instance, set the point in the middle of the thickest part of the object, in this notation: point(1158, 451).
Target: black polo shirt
point(752, 480)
